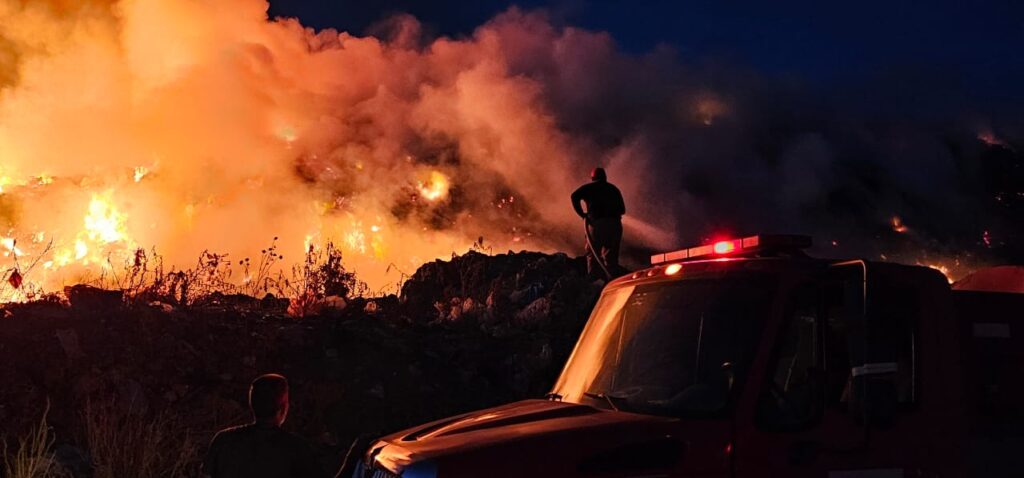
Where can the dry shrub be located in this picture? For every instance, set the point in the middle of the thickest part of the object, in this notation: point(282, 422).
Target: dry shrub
point(33, 457)
point(124, 444)
point(321, 275)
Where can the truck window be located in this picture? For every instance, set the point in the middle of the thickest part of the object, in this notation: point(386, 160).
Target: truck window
point(891, 338)
point(674, 349)
point(830, 349)
point(790, 398)
point(842, 314)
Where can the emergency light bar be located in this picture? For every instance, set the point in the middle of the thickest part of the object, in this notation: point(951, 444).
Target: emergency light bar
point(736, 247)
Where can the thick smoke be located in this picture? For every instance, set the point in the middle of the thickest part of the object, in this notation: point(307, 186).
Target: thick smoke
point(191, 125)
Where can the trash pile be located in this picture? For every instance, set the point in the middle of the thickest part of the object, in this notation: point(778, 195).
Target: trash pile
point(463, 334)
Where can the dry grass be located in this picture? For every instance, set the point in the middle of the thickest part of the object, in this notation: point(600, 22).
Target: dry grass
point(33, 456)
point(124, 444)
point(143, 278)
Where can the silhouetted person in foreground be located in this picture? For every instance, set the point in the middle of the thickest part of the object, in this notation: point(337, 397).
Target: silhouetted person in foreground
point(262, 449)
point(603, 214)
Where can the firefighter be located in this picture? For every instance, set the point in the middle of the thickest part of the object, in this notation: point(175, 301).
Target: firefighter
point(603, 216)
point(261, 448)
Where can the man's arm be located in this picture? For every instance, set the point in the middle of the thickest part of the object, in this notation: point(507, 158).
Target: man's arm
point(577, 197)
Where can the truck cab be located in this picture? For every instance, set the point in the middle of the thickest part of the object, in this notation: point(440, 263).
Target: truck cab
point(744, 358)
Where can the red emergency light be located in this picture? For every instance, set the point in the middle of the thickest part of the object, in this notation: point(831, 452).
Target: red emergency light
point(753, 245)
point(725, 247)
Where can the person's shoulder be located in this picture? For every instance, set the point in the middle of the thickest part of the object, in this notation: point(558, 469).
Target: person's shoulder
point(232, 432)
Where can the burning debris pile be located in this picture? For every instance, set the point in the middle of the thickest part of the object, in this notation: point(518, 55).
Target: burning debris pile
point(467, 333)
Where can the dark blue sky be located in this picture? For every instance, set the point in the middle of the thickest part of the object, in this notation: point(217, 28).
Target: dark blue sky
point(978, 42)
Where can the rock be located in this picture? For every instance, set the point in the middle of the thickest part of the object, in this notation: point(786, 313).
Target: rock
point(535, 314)
point(162, 306)
point(469, 306)
point(89, 299)
point(271, 302)
point(334, 302)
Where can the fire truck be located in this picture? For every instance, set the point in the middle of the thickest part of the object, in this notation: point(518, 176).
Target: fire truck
point(748, 358)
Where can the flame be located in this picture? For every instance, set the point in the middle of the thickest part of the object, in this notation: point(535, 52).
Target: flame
point(136, 132)
point(943, 269)
point(104, 223)
point(435, 188)
point(898, 226)
point(356, 239)
point(10, 244)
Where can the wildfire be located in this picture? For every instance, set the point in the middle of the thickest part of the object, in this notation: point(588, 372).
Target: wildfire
point(11, 247)
point(104, 223)
point(435, 188)
point(944, 270)
point(214, 149)
point(988, 137)
point(898, 225)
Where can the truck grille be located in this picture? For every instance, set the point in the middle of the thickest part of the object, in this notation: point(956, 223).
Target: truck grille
point(380, 473)
point(375, 472)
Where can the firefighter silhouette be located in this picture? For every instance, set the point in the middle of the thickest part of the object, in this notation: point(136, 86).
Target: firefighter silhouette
point(603, 212)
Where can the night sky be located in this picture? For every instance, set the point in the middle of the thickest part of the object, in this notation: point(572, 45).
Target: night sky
point(977, 45)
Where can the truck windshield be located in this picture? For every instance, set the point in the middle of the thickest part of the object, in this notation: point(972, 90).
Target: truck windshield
point(672, 349)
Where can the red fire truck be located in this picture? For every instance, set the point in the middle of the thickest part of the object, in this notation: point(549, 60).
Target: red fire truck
point(747, 358)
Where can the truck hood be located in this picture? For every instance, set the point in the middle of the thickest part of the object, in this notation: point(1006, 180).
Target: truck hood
point(531, 426)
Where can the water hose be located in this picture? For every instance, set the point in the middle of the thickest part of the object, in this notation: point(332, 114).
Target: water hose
point(593, 252)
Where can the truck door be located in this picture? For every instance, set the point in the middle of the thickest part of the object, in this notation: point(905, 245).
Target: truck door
point(806, 420)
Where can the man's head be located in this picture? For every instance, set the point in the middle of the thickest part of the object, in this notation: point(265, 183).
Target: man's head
point(268, 399)
point(598, 175)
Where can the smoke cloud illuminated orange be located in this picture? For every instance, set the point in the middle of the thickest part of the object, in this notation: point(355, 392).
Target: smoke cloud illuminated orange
point(191, 125)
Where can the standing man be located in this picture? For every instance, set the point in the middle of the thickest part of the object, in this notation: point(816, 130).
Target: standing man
point(262, 449)
point(603, 215)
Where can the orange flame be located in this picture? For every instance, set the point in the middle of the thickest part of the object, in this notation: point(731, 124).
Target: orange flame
point(898, 226)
